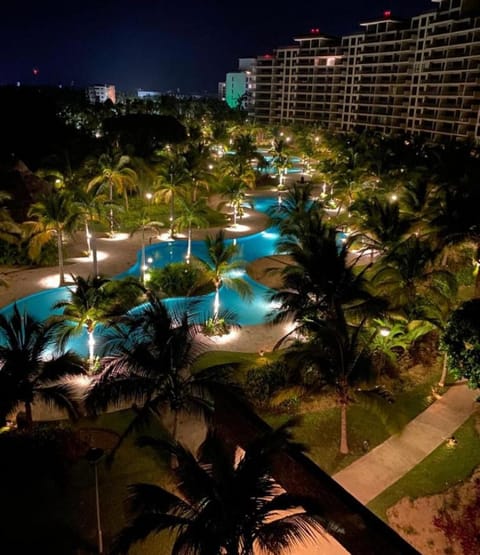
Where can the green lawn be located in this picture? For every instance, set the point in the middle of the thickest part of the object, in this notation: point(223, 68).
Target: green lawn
point(131, 464)
point(443, 468)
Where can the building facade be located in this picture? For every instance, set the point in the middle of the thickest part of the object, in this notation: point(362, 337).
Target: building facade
point(420, 75)
point(239, 87)
point(101, 93)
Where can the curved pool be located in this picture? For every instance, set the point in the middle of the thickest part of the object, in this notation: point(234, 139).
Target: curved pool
point(251, 247)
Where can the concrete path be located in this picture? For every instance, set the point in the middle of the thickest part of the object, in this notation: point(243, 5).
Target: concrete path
point(373, 473)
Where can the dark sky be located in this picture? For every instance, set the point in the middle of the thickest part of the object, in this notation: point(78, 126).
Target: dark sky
point(161, 45)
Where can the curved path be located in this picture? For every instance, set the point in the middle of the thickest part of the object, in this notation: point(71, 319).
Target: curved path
point(373, 473)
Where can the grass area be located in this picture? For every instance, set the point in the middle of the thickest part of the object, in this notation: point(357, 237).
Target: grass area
point(131, 464)
point(442, 469)
point(367, 421)
point(319, 429)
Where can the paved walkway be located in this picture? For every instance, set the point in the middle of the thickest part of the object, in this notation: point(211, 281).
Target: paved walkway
point(373, 473)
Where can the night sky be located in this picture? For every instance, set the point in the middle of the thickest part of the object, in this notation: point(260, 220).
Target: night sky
point(162, 45)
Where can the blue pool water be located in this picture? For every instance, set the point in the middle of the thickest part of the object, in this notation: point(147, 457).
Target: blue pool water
point(40, 305)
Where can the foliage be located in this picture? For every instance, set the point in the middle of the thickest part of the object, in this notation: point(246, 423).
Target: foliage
point(216, 326)
point(264, 381)
point(32, 367)
point(461, 341)
point(462, 528)
point(179, 279)
point(222, 506)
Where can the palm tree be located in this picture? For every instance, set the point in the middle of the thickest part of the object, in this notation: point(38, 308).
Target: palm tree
point(149, 365)
point(336, 352)
point(9, 231)
point(29, 371)
point(223, 505)
point(192, 213)
point(455, 219)
point(115, 174)
point(235, 190)
point(280, 159)
point(172, 178)
point(93, 301)
point(321, 281)
point(55, 214)
point(409, 277)
point(91, 205)
point(378, 223)
point(219, 266)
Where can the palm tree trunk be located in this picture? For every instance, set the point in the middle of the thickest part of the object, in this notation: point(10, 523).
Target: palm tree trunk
point(61, 272)
point(189, 244)
point(91, 349)
point(110, 198)
point(173, 457)
point(216, 303)
point(28, 415)
point(172, 213)
point(234, 215)
point(443, 377)
point(477, 277)
point(343, 429)
point(94, 254)
point(88, 236)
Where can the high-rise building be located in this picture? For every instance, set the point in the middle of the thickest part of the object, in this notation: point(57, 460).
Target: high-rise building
point(239, 88)
point(420, 75)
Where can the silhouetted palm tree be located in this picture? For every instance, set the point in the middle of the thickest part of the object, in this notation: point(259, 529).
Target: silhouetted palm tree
point(225, 503)
point(30, 367)
point(149, 366)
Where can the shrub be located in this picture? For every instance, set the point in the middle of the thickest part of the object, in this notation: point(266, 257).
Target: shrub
point(179, 279)
point(263, 382)
point(461, 341)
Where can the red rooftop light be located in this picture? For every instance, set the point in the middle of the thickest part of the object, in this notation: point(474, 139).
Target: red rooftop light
point(314, 31)
point(387, 13)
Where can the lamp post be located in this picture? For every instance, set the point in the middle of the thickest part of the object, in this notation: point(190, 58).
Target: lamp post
point(93, 456)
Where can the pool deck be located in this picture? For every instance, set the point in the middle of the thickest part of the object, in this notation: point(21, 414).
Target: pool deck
point(115, 255)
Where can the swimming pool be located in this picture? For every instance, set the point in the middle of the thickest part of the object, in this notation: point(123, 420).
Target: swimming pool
point(251, 247)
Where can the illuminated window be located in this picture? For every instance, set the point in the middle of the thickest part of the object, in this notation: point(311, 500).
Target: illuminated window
point(331, 61)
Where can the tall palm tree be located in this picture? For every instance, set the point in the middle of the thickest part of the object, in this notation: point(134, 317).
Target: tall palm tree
point(149, 365)
point(235, 190)
point(93, 301)
point(28, 370)
point(54, 215)
point(337, 353)
point(223, 505)
point(92, 205)
point(117, 175)
point(172, 178)
point(192, 213)
point(220, 267)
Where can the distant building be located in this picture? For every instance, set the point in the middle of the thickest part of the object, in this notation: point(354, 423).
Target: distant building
point(100, 93)
point(420, 75)
point(221, 91)
point(240, 85)
point(147, 94)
